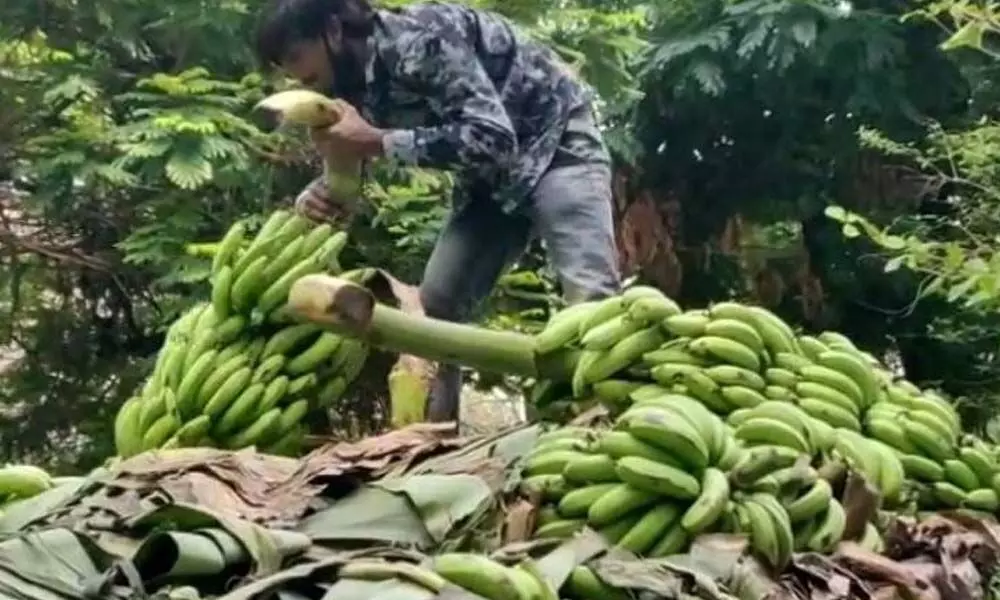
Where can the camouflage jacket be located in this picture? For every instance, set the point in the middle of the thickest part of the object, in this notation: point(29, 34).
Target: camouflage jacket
point(462, 90)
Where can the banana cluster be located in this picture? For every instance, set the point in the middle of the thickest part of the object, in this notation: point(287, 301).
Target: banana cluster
point(766, 408)
point(950, 469)
point(19, 482)
point(489, 579)
point(649, 485)
point(670, 469)
point(251, 278)
point(233, 373)
point(613, 333)
point(783, 500)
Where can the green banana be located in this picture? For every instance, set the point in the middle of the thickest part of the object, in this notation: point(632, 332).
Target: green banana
point(710, 504)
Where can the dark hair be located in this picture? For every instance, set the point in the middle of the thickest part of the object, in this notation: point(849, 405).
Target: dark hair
point(284, 22)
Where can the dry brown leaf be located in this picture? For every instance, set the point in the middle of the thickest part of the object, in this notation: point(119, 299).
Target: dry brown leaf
point(519, 522)
point(375, 455)
point(861, 501)
point(594, 415)
point(914, 582)
point(813, 576)
point(270, 490)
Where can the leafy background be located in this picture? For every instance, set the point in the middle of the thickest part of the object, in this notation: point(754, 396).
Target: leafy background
point(834, 161)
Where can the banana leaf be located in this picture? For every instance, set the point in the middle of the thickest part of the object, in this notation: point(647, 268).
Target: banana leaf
point(369, 514)
point(496, 458)
point(180, 593)
point(238, 541)
point(55, 564)
point(311, 580)
point(392, 589)
point(557, 565)
point(312, 572)
point(659, 579)
point(178, 555)
point(421, 505)
point(190, 544)
point(442, 501)
point(286, 595)
point(417, 511)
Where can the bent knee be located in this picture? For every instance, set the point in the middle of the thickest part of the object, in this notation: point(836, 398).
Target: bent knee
point(438, 302)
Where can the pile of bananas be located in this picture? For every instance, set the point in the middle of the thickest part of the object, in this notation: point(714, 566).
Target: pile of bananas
point(728, 419)
point(19, 482)
point(234, 372)
point(949, 469)
point(670, 470)
point(251, 278)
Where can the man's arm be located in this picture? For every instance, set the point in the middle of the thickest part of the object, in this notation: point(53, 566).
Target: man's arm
point(476, 132)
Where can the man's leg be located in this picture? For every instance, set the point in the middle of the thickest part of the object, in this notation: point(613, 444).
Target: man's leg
point(477, 242)
point(571, 210)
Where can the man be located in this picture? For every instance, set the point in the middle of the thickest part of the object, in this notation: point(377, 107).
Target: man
point(448, 87)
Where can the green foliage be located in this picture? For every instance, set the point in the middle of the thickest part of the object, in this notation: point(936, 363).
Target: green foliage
point(128, 136)
point(948, 243)
point(754, 108)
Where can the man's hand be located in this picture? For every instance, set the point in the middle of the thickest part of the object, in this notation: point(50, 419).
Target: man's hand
point(314, 203)
point(351, 140)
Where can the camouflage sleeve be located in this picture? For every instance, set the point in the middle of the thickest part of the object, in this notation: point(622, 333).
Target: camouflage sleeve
point(476, 133)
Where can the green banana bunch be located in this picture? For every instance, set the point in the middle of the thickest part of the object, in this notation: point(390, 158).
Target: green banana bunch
point(232, 375)
point(649, 485)
point(671, 469)
point(253, 279)
point(924, 431)
point(491, 580)
point(730, 357)
point(815, 394)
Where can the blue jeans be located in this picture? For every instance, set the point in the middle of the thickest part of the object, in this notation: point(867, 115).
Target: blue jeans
point(570, 210)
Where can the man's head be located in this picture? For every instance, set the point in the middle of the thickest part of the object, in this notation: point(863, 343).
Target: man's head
point(318, 42)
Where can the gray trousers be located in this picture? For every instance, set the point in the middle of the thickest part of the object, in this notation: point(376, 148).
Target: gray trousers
point(570, 210)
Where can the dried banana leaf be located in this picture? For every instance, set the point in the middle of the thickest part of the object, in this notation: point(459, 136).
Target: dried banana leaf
point(56, 564)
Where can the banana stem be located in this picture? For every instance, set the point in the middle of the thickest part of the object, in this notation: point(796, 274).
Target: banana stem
point(350, 309)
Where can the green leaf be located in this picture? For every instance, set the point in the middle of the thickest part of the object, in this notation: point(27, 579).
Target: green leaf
point(962, 289)
point(969, 35)
point(709, 76)
point(893, 242)
point(369, 514)
point(955, 257)
point(754, 39)
point(894, 264)
point(188, 170)
point(850, 231)
point(50, 565)
point(837, 213)
point(150, 148)
point(980, 298)
point(935, 286)
point(804, 31)
point(442, 501)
